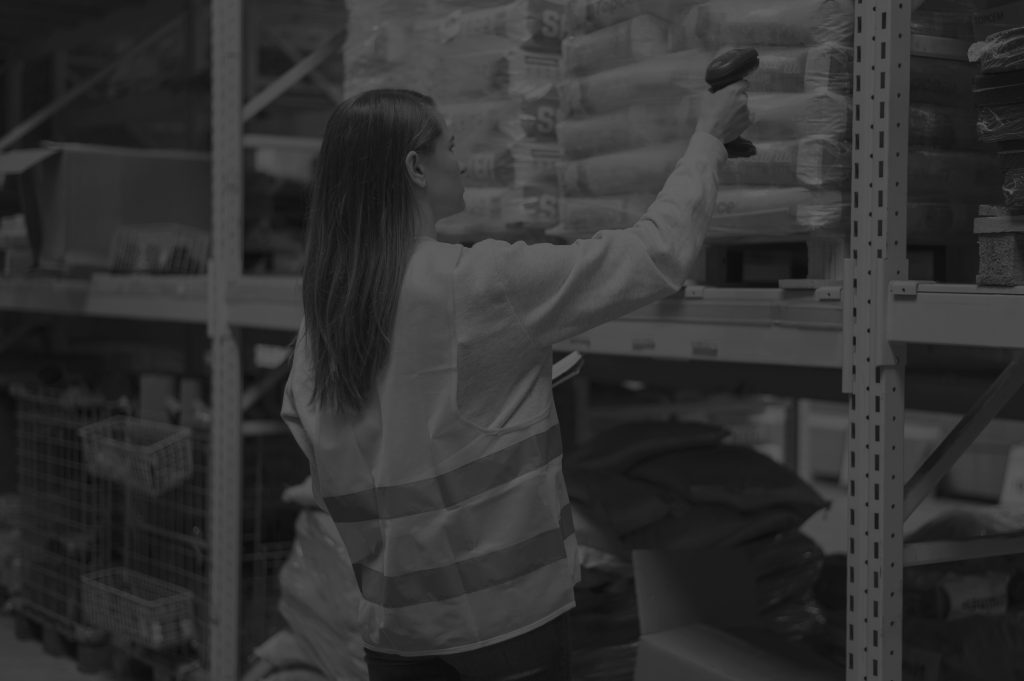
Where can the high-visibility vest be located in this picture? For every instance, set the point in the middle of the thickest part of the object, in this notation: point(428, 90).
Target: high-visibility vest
point(460, 536)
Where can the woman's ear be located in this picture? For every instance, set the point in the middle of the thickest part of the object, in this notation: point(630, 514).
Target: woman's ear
point(414, 168)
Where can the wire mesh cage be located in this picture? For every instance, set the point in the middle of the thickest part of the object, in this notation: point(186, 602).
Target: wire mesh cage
point(167, 536)
point(146, 456)
point(67, 514)
point(138, 608)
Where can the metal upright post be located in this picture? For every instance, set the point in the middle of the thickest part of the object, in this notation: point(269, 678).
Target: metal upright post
point(226, 446)
point(874, 371)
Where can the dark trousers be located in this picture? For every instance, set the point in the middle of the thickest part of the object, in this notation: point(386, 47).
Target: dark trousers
point(538, 655)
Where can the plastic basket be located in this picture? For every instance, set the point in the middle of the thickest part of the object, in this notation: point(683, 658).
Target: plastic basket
point(160, 249)
point(145, 456)
point(138, 608)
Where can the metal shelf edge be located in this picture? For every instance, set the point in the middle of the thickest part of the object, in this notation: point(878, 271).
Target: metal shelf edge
point(952, 314)
point(931, 553)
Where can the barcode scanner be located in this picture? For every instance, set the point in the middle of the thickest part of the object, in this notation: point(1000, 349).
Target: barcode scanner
point(724, 70)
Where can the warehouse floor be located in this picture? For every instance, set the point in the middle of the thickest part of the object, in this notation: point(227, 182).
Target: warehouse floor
point(26, 660)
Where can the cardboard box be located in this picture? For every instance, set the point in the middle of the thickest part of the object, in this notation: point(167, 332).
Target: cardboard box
point(75, 197)
point(995, 19)
point(697, 622)
point(824, 439)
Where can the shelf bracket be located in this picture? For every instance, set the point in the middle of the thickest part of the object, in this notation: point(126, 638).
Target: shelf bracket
point(928, 475)
point(904, 289)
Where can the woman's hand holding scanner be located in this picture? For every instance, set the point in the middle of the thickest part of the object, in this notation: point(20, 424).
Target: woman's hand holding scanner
point(724, 111)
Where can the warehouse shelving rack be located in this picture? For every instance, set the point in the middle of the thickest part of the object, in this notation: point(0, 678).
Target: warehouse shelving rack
point(861, 326)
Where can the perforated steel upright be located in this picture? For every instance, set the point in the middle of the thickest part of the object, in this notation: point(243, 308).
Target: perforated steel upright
point(226, 266)
point(874, 368)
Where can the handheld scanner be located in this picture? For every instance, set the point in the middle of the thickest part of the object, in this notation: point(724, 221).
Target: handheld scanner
point(727, 68)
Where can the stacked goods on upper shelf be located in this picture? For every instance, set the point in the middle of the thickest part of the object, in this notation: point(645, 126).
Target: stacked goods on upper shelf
point(999, 98)
point(491, 66)
point(949, 171)
point(634, 76)
point(634, 79)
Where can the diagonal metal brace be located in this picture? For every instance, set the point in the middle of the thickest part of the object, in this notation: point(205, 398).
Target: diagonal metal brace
point(289, 78)
point(928, 475)
point(16, 133)
point(326, 86)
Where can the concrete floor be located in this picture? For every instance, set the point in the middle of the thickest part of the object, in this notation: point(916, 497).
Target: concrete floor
point(26, 660)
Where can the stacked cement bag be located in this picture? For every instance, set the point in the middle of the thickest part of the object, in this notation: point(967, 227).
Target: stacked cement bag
point(634, 79)
point(492, 67)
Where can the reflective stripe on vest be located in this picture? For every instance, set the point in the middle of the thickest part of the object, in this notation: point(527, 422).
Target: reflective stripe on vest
point(460, 513)
point(448, 489)
point(467, 576)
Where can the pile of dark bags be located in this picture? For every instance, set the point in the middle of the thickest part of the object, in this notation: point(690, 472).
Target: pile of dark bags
point(962, 621)
point(673, 485)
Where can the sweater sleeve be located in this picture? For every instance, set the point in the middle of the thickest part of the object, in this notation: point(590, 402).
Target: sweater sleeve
point(558, 291)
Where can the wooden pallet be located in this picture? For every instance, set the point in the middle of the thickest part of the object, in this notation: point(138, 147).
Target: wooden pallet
point(96, 651)
point(89, 647)
point(131, 662)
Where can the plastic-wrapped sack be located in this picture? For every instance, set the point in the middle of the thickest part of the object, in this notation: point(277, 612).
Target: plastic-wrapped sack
point(633, 171)
point(320, 599)
point(637, 126)
point(1001, 123)
point(539, 114)
point(1013, 188)
point(476, 66)
point(1000, 52)
point(535, 163)
point(587, 16)
point(582, 217)
point(779, 116)
point(758, 212)
point(639, 38)
point(531, 72)
point(533, 24)
point(754, 22)
point(662, 79)
point(486, 214)
point(387, 46)
point(817, 162)
point(475, 123)
point(787, 116)
point(942, 127)
point(488, 165)
point(742, 213)
point(669, 78)
point(532, 207)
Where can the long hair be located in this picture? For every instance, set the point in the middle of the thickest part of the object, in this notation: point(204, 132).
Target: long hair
point(359, 236)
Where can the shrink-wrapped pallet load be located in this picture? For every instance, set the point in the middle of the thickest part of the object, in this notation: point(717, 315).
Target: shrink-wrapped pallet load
point(633, 79)
point(491, 66)
point(999, 102)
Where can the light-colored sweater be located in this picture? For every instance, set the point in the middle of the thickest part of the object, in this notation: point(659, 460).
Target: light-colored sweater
point(447, 488)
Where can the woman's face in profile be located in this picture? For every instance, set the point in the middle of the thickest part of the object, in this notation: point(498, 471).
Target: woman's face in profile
point(444, 177)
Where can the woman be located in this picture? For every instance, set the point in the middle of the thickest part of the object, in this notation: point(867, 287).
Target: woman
point(420, 387)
